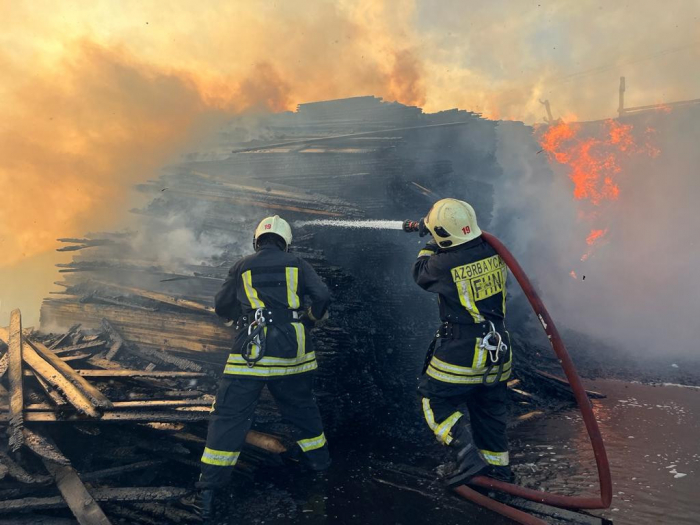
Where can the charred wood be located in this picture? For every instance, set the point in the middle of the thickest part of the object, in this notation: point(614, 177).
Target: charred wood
point(15, 343)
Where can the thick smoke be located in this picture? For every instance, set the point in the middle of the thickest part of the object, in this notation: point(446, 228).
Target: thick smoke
point(639, 290)
point(95, 96)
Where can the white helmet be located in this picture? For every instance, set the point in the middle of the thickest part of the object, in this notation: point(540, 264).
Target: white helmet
point(276, 225)
point(452, 222)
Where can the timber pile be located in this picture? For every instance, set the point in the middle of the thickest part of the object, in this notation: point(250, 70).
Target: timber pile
point(65, 392)
point(147, 338)
point(358, 158)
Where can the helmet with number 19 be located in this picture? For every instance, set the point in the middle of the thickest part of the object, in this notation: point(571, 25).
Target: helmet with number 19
point(452, 222)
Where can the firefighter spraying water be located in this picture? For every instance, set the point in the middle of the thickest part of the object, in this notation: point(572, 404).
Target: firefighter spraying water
point(470, 358)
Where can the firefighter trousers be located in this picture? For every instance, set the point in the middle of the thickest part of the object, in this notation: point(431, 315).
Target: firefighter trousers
point(233, 414)
point(487, 413)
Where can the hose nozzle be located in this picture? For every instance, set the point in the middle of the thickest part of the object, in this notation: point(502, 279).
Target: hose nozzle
point(416, 226)
point(410, 226)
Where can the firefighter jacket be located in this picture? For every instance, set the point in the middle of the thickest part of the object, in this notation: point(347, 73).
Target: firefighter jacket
point(470, 280)
point(275, 280)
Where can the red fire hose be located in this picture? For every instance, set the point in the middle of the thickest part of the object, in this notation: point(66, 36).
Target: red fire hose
point(601, 458)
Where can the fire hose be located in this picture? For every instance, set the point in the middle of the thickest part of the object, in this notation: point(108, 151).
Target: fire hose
point(584, 405)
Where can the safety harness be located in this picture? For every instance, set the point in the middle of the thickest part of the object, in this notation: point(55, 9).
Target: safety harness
point(497, 349)
point(257, 331)
point(492, 342)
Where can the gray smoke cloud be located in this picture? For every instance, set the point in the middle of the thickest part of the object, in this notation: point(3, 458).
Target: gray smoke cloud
point(641, 289)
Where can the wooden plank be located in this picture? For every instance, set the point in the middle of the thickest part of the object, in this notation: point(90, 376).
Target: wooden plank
point(188, 331)
point(162, 357)
point(81, 346)
point(65, 336)
point(72, 394)
point(136, 373)
point(44, 448)
point(4, 364)
point(100, 495)
point(75, 357)
point(205, 401)
point(166, 513)
point(123, 469)
point(115, 337)
point(265, 442)
point(146, 354)
point(55, 397)
point(139, 416)
point(128, 515)
point(160, 297)
point(162, 403)
point(35, 519)
point(81, 503)
point(14, 353)
point(95, 396)
point(21, 475)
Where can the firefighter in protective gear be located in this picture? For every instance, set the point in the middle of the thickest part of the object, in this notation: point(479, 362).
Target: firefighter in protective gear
point(470, 359)
point(263, 294)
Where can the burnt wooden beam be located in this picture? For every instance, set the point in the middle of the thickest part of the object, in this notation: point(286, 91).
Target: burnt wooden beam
point(123, 469)
point(65, 336)
point(56, 398)
point(72, 394)
point(183, 414)
point(101, 495)
point(163, 357)
point(128, 515)
point(95, 396)
point(137, 373)
point(185, 330)
point(265, 442)
point(17, 472)
point(160, 297)
point(115, 337)
point(35, 519)
point(146, 354)
point(81, 346)
point(81, 503)
point(165, 513)
point(44, 448)
point(14, 352)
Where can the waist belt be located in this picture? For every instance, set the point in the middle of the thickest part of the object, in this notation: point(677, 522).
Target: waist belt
point(450, 330)
point(492, 342)
point(255, 343)
point(271, 315)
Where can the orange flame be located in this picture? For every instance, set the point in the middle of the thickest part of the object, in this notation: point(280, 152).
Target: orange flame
point(594, 164)
point(595, 236)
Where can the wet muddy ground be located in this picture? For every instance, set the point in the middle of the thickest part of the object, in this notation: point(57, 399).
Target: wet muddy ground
point(651, 434)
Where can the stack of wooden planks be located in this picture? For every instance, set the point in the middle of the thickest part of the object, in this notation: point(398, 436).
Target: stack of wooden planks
point(86, 410)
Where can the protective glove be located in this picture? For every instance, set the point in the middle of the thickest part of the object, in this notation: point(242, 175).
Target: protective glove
point(422, 228)
point(309, 321)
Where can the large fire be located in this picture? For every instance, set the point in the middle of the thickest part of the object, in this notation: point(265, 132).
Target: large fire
point(594, 163)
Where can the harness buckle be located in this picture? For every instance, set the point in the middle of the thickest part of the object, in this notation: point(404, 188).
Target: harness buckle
point(255, 328)
point(493, 343)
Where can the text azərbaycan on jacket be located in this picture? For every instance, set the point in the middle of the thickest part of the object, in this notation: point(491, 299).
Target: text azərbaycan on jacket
point(278, 281)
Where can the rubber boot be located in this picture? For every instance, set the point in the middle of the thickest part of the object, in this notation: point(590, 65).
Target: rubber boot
point(500, 473)
point(317, 462)
point(469, 460)
point(201, 503)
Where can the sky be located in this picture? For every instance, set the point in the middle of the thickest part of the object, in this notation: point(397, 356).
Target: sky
point(96, 96)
